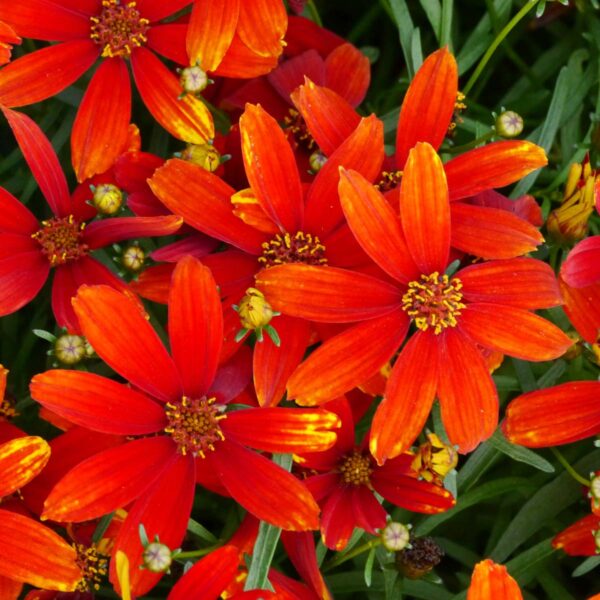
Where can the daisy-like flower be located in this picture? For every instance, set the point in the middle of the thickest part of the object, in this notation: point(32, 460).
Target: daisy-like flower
point(30, 249)
point(183, 399)
point(117, 32)
point(489, 305)
point(491, 580)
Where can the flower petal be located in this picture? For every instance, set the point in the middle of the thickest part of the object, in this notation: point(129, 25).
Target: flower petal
point(195, 325)
point(491, 580)
point(21, 460)
point(337, 520)
point(348, 72)
point(242, 62)
point(97, 403)
point(582, 267)
point(578, 539)
point(15, 217)
point(262, 25)
point(9, 588)
point(101, 127)
point(327, 294)
point(582, 306)
point(409, 394)
point(290, 73)
point(118, 331)
point(168, 40)
point(425, 210)
point(428, 105)
point(513, 331)
point(156, 10)
point(348, 359)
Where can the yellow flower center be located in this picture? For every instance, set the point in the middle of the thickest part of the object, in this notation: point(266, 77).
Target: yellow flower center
point(60, 239)
point(389, 180)
point(93, 566)
point(356, 469)
point(434, 301)
point(7, 408)
point(194, 424)
point(118, 28)
point(296, 125)
point(298, 248)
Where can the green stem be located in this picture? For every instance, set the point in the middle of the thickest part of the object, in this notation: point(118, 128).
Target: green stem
point(314, 13)
point(472, 144)
point(569, 469)
point(342, 558)
point(196, 553)
point(494, 45)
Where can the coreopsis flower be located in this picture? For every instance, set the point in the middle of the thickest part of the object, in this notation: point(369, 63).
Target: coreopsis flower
point(489, 304)
point(31, 249)
point(434, 459)
point(347, 479)
point(183, 399)
point(7, 39)
point(491, 580)
point(116, 32)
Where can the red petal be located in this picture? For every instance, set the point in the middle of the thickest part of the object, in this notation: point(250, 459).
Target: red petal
point(9, 588)
point(241, 61)
point(303, 34)
point(578, 539)
point(582, 306)
point(275, 182)
point(521, 282)
point(513, 331)
point(348, 359)
point(21, 460)
point(582, 267)
point(348, 72)
point(109, 480)
point(265, 489)
point(337, 520)
point(156, 10)
point(97, 403)
point(491, 580)
point(273, 365)
point(210, 33)
point(425, 210)
point(196, 244)
point(290, 74)
point(101, 127)
point(467, 394)
point(558, 415)
point(45, 72)
point(262, 25)
point(15, 217)
point(195, 325)
point(376, 227)
point(169, 41)
point(42, 161)
point(492, 166)
point(327, 294)
point(369, 514)
point(409, 394)
point(491, 233)
point(118, 331)
point(186, 118)
point(428, 105)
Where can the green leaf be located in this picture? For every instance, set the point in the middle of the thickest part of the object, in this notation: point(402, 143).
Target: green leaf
point(520, 453)
point(586, 566)
point(477, 464)
point(446, 23)
point(45, 335)
point(369, 567)
point(406, 28)
point(201, 531)
point(433, 10)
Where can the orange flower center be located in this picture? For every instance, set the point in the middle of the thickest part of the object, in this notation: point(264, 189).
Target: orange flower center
point(194, 424)
point(118, 28)
point(60, 239)
point(93, 566)
point(298, 248)
point(296, 125)
point(7, 409)
point(434, 301)
point(356, 469)
point(389, 180)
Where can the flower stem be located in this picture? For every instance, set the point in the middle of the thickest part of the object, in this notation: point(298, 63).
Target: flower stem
point(196, 553)
point(472, 144)
point(494, 45)
point(342, 558)
point(569, 469)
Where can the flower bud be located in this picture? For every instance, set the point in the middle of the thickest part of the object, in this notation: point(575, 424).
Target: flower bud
point(255, 312)
point(193, 79)
point(595, 492)
point(395, 536)
point(203, 155)
point(509, 124)
point(434, 459)
point(421, 557)
point(70, 349)
point(157, 557)
point(316, 161)
point(107, 198)
point(133, 258)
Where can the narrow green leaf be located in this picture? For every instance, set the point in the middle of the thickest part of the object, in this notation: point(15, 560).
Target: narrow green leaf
point(369, 567)
point(405, 29)
point(446, 23)
point(201, 531)
point(477, 464)
point(520, 453)
point(553, 374)
point(586, 566)
point(45, 335)
point(433, 10)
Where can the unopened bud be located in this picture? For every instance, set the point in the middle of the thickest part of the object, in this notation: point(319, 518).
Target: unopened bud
point(597, 540)
point(70, 349)
point(157, 557)
point(509, 124)
point(255, 312)
point(107, 198)
point(421, 557)
point(595, 491)
point(395, 536)
point(316, 161)
point(203, 155)
point(133, 258)
point(193, 79)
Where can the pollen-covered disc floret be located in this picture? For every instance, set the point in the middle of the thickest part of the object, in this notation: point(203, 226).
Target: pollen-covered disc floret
point(434, 301)
point(296, 125)
point(194, 424)
point(356, 469)
point(389, 180)
point(119, 28)
point(297, 248)
point(93, 566)
point(60, 239)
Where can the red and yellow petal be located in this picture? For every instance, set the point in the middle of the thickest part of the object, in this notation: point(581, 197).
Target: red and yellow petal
point(348, 72)
point(408, 397)
point(118, 331)
point(578, 539)
point(262, 25)
point(21, 460)
point(337, 519)
point(195, 325)
point(425, 210)
point(242, 62)
point(97, 403)
point(491, 580)
point(582, 306)
point(557, 415)
point(428, 105)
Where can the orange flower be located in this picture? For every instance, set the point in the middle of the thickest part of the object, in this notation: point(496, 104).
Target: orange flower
point(489, 304)
point(491, 581)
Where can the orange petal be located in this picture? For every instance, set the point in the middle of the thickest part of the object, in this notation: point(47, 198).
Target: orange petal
point(329, 118)
point(155, 10)
point(347, 360)
point(262, 25)
point(327, 294)
point(428, 104)
point(491, 233)
point(491, 580)
point(521, 282)
point(21, 460)
point(195, 325)
point(557, 415)
point(101, 127)
point(578, 539)
point(582, 306)
point(409, 394)
point(9, 588)
point(425, 210)
point(46, 72)
point(210, 32)
point(348, 72)
point(513, 331)
point(37, 556)
point(376, 226)
point(247, 208)
point(120, 334)
point(467, 394)
point(242, 62)
point(109, 480)
point(492, 166)
point(186, 118)
point(271, 168)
